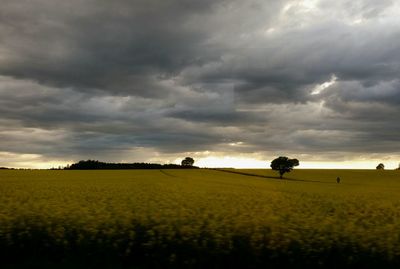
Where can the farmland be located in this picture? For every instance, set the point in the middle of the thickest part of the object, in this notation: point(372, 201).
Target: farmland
point(199, 218)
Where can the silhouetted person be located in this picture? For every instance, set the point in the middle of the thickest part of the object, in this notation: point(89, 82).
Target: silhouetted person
point(338, 179)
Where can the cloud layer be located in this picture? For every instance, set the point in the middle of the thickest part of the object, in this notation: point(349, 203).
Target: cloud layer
point(154, 80)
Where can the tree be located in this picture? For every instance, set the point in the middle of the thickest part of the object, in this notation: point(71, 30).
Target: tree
point(284, 165)
point(380, 166)
point(188, 162)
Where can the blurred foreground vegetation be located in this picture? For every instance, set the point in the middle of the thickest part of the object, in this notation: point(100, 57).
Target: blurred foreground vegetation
point(199, 219)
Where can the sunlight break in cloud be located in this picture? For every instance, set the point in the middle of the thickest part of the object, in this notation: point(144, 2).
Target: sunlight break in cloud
point(319, 88)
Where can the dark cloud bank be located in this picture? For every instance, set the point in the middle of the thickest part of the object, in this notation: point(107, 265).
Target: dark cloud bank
point(114, 79)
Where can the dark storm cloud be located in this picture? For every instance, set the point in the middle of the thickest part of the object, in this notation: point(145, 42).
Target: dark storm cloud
point(82, 78)
point(285, 66)
point(117, 47)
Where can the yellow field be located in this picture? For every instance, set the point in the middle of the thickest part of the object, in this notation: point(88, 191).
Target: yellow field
point(194, 218)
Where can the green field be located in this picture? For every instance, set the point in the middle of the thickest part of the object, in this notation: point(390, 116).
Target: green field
point(199, 218)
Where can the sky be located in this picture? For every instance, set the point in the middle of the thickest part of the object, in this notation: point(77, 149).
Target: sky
point(228, 82)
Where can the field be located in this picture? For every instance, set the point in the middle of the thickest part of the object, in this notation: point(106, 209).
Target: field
point(199, 219)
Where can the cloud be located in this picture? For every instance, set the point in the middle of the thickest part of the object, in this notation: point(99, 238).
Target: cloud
point(94, 78)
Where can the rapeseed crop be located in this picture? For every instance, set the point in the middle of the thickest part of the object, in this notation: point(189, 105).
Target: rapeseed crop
point(199, 218)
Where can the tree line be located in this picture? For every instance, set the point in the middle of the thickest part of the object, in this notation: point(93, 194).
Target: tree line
point(97, 165)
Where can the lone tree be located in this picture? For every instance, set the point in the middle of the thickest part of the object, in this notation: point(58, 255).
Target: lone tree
point(284, 165)
point(380, 166)
point(188, 162)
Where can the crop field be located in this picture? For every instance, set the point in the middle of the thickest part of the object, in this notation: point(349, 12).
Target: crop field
point(199, 218)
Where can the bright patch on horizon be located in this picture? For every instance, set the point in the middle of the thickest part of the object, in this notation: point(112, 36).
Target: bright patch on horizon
point(258, 163)
point(29, 161)
point(234, 162)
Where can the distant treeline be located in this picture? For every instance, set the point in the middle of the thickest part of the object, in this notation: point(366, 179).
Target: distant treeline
point(92, 165)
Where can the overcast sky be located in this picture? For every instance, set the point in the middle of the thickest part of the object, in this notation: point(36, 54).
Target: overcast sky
point(159, 80)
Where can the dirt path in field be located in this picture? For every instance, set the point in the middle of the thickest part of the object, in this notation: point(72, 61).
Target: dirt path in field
point(166, 173)
point(269, 177)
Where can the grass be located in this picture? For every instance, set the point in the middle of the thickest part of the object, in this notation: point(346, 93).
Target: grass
point(199, 218)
